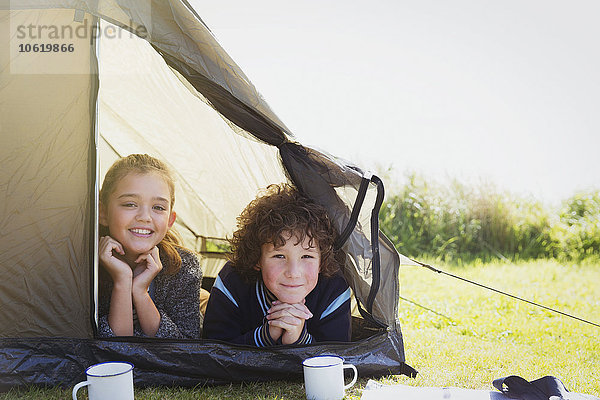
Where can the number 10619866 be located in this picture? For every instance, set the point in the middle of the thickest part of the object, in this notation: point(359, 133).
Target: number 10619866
point(46, 48)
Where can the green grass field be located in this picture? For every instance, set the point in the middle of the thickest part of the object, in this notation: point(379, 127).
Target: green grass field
point(458, 334)
point(481, 335)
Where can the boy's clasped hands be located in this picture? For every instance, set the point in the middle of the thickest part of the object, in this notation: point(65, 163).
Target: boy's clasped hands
point(286, 321)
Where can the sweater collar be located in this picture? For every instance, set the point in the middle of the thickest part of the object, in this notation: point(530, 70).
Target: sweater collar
point(264, 295)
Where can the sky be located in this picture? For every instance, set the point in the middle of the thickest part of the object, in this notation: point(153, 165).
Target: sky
point(502, 92)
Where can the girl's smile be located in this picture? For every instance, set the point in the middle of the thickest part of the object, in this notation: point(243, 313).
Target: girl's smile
point(141, 232)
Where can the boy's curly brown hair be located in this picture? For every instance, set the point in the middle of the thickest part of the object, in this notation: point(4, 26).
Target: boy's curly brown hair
point(270, 218)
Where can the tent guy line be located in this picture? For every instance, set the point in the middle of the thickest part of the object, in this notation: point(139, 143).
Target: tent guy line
point(439, 271)
point(427, 308)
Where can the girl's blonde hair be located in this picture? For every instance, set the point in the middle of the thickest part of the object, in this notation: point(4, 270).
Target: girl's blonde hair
point(144, 164)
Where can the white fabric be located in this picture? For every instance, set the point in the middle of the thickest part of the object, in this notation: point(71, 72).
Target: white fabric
point(378, 391)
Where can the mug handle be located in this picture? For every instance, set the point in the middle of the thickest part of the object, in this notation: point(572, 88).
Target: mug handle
point(79, 386)
point(346, 366)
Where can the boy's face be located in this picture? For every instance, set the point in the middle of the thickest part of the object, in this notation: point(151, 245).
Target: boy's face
point(290, 272)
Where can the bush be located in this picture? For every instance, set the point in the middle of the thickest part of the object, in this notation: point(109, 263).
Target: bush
point(458, 223)
point(578, 234)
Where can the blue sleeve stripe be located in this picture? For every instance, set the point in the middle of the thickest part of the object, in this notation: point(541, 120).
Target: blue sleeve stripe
point(306, 338)
point(257, 336)
point(221, 286)
point(341, 299)
point(262, 337)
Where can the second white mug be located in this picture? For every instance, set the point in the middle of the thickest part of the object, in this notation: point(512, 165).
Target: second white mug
point(324, 377)
point(108, 381)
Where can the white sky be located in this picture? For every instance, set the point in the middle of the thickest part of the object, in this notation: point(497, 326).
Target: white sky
point(501, 91)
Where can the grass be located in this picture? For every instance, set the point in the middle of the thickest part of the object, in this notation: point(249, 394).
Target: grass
point(458, 334)
point(478, 336)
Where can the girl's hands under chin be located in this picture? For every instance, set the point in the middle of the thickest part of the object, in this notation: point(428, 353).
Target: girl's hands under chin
point(117, 268)
point(148, 266)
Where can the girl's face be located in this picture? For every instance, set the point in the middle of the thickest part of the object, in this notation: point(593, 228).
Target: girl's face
point(138, 214)
point(290, 272)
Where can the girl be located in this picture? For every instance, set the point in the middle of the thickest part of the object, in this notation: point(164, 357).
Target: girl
point(149, 284)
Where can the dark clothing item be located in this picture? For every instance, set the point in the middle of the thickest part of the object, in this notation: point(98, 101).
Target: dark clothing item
point(177, 298)
point(236, 311)
point(548, 387)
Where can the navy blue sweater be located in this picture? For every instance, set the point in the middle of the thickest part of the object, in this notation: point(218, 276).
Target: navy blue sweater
point(236, 311)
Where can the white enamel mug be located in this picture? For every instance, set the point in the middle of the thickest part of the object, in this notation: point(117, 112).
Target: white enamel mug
point(324, 377)
point(108, 380)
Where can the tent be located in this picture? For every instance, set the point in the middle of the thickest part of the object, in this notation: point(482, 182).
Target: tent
point(86, 81)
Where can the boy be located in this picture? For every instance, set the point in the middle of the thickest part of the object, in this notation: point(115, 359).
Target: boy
point(283, 284)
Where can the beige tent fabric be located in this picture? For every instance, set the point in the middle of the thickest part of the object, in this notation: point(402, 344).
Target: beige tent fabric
point(173, 28)
point(218, 171)
point(45, 135)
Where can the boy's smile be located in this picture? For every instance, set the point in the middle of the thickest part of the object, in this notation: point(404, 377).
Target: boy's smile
point(290, 272)
point(138, 212)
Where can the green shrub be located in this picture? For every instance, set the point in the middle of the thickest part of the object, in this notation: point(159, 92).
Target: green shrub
point(459, 223)
point(578, 234)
